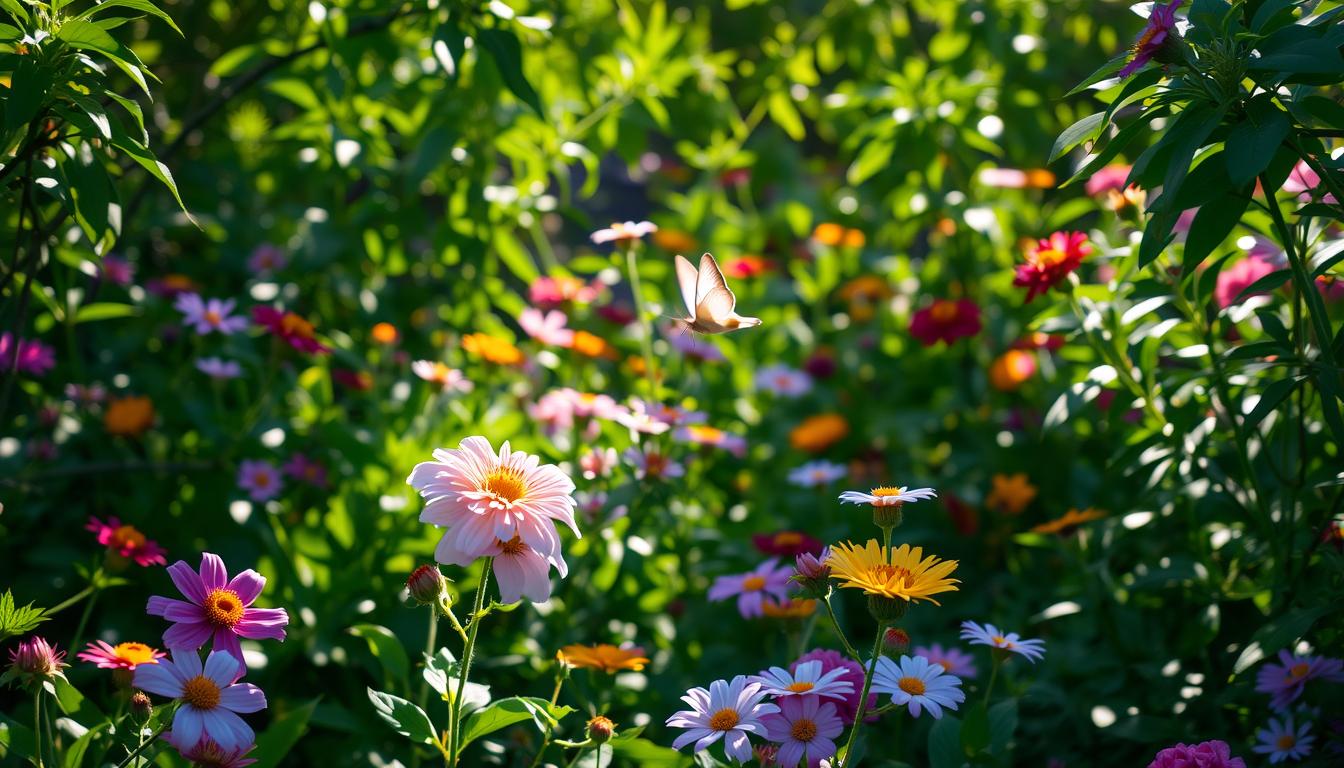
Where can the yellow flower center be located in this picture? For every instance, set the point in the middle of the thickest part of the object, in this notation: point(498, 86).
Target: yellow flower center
point(127, 536)
point(887, 490)
point(514, 546)
point(223, 607)
point(705, 434)
point(723, 720)
point(294, 325)
point(911, 685)
point(888, 573)
point(803, 730)
point(1286, 741)
point(1145, 38)
point(506, 484)
point(212, 317)
point(135, 653)
point(201, 692)
point(655, 464)
point(1049, 257)
point(1001, 642)
point(753, 583)
point(801, 686)
point(943, 311)
point(945, 664)
point(788, 539)
point(1298, 671)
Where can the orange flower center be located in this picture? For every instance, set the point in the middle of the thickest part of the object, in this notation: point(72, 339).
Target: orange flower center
point(943, 311)
point(127, 536)
point(212, 317)
point(1299, 670)
point(803, 730)
point(945, 664)
point(801, 686)
point(705, 434)
point(888, 573)
point(514, 546)
point(753, 583)
point(223, 607)
point(655, 464)
point(911, 685)
point(506, 484)
point(1049, 257)
point(788, 538)
point(723, 720)
point(261, 480)
point(135, 653)
point(1286, 741)
point(293, 325)
point(1146, 38)
point(201, 692)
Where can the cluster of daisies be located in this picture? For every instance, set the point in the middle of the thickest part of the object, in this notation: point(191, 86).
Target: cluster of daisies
point(1288, 735)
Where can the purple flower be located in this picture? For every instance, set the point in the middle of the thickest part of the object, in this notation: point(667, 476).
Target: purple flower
point(266, 258)
point(1209, 754)
point(727, 711)
point(116, 270)
point(307, 470)
point(211, 699)
point(212, 315)
point(853, 673)
point(1161, 25)
point(953, 660)
point(218, 608)
point(1285, 680)
point(804, 726)
point(207, 752)
point(218, 368)
point(25, 356)
point(260, 479)
point(750, 588)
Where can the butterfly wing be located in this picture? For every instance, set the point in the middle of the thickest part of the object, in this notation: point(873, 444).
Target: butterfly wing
point(714, 300)
point(687, 279)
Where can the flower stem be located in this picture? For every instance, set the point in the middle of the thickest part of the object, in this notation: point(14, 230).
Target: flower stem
point(431, 645)
point(455, 748)
point(993, 675)
point(849, 649)
point(69, 601)
point(145, 743)
point(863, 697)
point(37, 725)
point(84, 618)
point(646, 327)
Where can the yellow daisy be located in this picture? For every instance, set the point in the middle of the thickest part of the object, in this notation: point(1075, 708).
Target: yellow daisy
point(901, 573)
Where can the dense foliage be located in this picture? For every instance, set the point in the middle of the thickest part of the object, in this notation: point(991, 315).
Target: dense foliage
point(298, 299)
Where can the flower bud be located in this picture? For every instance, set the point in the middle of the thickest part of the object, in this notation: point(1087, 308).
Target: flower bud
point(141, 708)
point(887, 516)
point(34, 660)
point(887, 609)
point(811, 572)
point(895, 641)
point(426, 585)
point(601, 729)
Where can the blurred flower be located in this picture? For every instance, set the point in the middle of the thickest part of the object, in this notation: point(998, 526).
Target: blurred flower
point(1051, 261)
point(205, 316)
point(426, 585)
point(492, 349)
point(1281, 740)
point(260, 479)
point(219, 368)
point(818, 433)
point(815, 474)
point(1109, 178)
point(126, 541)
point(747, 266)
point(360, 381)
point(554, 411)
point(794, 609)
point(1238, 277)
point(35, 660)
point(128, 416)
point(965, 518)
point(783, 381)
point(1012, 178)
point(1011, 493)
point(1330, 287)
point(820, 364)
point(41, 449)
point(1012, 369)
point(618, 314)
point(211, 699)
point(951, 659)
point(728, 711)
point(694, 348)
point(1210, 754)
point(293, 329)
point(700, 434)
point(1157, 35)
point(1037, 340)
point(1069, 522)
point(769, 579)
point(445, 378)
point(735, 177)
point(674, 240)
point(1285, 680)
point(917, 684)
point(853, 673)
point(806, 679)
point(867, 288)
point(767, 755)
point(592, 345)
point(597, 462)
point(306, 470)
point(646, 419)
point(265, 259)
point(218, 610)
point(990, 635)
point(1303, 181)
point(788, 543)
point(548, 328)
point(116, 270)
point(888, 496)
point(207, 754)
point(85, 395)
point(385, 334)
point(552, 292)
point(895, 641)
point(832, 234)
point(621, 232)
point(902, 573)
point(805, 728)
point(604, 657)
point(946, 321)
point(120, 656)
point(28, 356)
point(170, 285)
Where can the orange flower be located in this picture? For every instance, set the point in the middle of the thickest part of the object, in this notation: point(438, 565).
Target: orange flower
point(492, 349)
point(129, 416)
point(868, 288)
point(829, 233)
point(817, 433)
point(1011, 493)
point(674, 240)
point(795, 608)
point(590, 345)
point(605, 657)
point(1012, 369)
point(1069, 522)
point(385, 333)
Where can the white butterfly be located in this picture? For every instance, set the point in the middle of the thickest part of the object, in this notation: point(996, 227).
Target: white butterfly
point(709, 301)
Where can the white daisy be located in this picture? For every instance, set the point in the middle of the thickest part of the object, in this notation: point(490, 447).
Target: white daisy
point(995, 638)
point(918, 684)
point(806, 680)
point(888, 496)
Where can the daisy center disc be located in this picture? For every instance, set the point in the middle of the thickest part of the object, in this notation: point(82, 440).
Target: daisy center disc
point(506, 484)
point(911, 685)
point(753, 583)
point(514, 546)
point(1299, 670)
point(1286, 742)
point(223, 607)
point(803, 730)
point(723, 720)
point(887, 490)
point(801, 686)
point(201, 692)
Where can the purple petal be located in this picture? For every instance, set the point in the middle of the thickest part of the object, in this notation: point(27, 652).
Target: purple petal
point(157, 679)
point(189, 636)
point(243, 698)
point(248, 585)
point(227, 729)
point(187, 725)
point(187, 581)
point(227, 641)
point(213, 573)
point(175, 610)
point(222, 668)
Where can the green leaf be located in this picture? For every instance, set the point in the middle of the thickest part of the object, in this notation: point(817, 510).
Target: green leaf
point(75, 753)
point(405, 718)
point(135, 5)
point(945, 743)
point(874, 156)
point(15, 620)
point(1212, 224)
point(785, 114)
point(1268, 283)
point(386, 648)
point(1002, 725)
point(975, 730)
point(504, 48)
point(86, 35)
point(1104, 72)
point(284, 732)
point(450, 44)
point(142, 156)
point(1077, 133)
point(1251, 144)
point(1271, 398)
point(1279, 633)
point(27, 91)
point(16, 9)
point(506, 712)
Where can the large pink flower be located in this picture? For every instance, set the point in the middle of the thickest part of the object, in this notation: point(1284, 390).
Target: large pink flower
point(1237, 278)
point(219, 608)
point(485, 500)
point(520, 570)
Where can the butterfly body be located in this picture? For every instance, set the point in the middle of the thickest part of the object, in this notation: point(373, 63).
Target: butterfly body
point(710, 303)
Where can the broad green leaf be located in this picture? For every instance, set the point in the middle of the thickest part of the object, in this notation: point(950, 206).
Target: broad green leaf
point(15, 619)
point(505, 712)
point(1104, 72)
point(282, 734)
point(1252, 143)
point(785, 114)
point(135, 5)
point(1083, 130)
point(142, 156)
point(27, 91)
point(504, 48)
point(88, 36)
point(1271, 398)
point(103, 311)
point(405, 718)
point(75, 753)
point(1279, 633)
point(874, 156)
point(945, 743)
point(386, 648)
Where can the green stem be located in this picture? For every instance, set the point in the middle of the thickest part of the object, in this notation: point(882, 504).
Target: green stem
point(550, 731)
point(993, 675)
point(37, 725)
point(863, 697)
point(145, 743)
point(1121, 366)
point(849, 649)
point(455, 747)
point(84, 617)
point(75, 598)
point(431, 645)
point(646, 327)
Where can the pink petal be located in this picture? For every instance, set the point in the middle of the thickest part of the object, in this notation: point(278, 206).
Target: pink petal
point(248, 585)
point(188, 636)
point(213, 573)
point(187, 581)
point(175, 610)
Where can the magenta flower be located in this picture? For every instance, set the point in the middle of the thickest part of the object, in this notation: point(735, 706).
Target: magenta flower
point(260, 479)
point(209, 315)
point(769, 579)
point(292, 328)
point(265, 259)
point(1209, 754)
point(1237, 278)
point(35, 659)
point(804, 726)
point(946, 321)
point(1161, 28)
point(1284, 681)
point(211, 697)
point(29, 356)
point(116, 270)
point(127, 541)
point(217, 608)
point(207, 753)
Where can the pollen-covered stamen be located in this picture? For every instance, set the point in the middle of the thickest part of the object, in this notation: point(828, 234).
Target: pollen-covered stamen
point(802, 686)
point(911, 685)
point(201, 692)
point(223, 608)
point(127, 536)
point(134, 653)
point(724, 720)
point(892, 573)
point(753, 584)
point(213, 318)
point(887, 490)
point(514, 546)
point(943, 311)
point(506, 484)
point(1298, 671)
point(788, 539)
point(803, 729)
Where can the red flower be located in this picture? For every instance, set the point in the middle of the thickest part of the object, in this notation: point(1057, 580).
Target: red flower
point(296, 331)
point(744, 267)
point(1052, 260)
point(1050, 342)
point(965, 518)
point(790, 543)
point(360, 381)
point(946, 321)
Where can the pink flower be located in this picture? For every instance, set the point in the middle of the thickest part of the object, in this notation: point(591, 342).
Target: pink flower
point(209, 315)
point(1051, 261)
point(812, 566)
point(127, 541)
point(650, 463)
point(769, 579)
point(1237, 278)
point(519, 570)
point(804, 726)
point(946, 321)
point(1160, 29)
point(554, 410)
point(116, 270)
point(216, 608)
point(266, 258)
point(218, 368)
point(447, 379)
point(28, 356)
point(486, 500)
point(952, 660)
point(548, 328)
point(1209, 754)
point(552, 292)
point(120, 656)
point(1304, 182)
point(260, 479)
point(624, 232)
point(854, 674)
point(35, 659)
point(293, 329)
point(790, 543)
point(700, 434)
point(597, 462)
point(1285, 680)
point(1110, 178)
point(207, 753)
point(211, 699)
point(307, 470)
point(783, 381)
